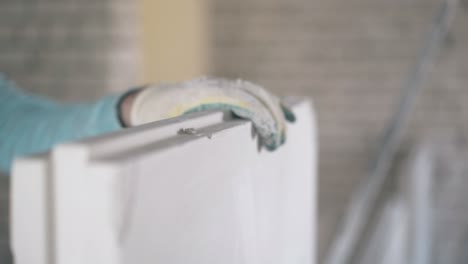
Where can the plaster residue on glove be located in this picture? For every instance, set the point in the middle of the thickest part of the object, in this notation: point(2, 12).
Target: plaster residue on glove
point(245, 99)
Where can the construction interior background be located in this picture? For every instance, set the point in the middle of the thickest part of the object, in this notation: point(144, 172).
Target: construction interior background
point(350, 56)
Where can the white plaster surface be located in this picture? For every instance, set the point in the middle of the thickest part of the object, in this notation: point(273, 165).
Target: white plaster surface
point(212, 197)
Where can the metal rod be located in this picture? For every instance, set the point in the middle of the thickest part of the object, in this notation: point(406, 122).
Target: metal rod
point(364, 198)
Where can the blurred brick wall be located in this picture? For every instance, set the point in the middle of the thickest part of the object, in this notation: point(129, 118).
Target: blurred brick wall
point(351, 57)
point(69, 49)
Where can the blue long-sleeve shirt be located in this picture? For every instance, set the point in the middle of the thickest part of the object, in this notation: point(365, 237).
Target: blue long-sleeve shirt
point(31, 124)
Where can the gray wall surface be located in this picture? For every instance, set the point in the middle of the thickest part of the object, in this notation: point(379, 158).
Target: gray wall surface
point(351, 57)
point(69, 49)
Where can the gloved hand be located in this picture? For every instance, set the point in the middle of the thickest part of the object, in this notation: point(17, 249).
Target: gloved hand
point(244, 99)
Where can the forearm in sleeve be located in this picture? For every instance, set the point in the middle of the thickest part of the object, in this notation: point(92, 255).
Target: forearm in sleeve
point(31, 124)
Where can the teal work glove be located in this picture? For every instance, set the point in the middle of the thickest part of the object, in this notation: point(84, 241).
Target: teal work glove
point(246, 100)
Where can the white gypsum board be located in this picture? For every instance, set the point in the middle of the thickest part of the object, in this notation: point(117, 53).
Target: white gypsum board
point(31, 209)
point(72, 194)
point(200, 200)
point(86, 202)
point(31, 184)
point(69, 163)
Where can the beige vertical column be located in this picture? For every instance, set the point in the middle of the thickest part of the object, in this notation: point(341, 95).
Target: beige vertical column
point(174, 40)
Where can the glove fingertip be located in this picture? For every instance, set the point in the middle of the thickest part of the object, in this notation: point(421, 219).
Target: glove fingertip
point(288, 114)
point(271, 147)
